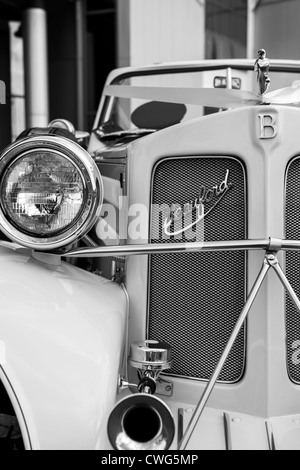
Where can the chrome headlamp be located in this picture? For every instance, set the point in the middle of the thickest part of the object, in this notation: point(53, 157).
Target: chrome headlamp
point(51, 192)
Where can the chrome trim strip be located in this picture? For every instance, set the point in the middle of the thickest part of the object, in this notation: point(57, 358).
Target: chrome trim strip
point(164, 248)
point(190, 247)
point(270, 436)
point(180, 426)
point(227, 433)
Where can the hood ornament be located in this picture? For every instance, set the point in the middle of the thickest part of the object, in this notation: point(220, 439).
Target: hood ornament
point(261, 66)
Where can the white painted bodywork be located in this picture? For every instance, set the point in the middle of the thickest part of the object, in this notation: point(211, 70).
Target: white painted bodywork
point(61, 331)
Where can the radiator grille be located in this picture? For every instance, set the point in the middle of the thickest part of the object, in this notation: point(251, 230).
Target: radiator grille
point(196, 298)
point(292, 220)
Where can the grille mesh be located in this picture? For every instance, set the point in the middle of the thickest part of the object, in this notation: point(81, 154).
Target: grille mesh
point(196, 298)
point(293, 268)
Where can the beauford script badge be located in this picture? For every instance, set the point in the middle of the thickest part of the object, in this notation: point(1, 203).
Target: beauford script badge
point(212, 196)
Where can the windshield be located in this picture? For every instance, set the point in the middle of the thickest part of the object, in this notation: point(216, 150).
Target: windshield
point(144, 103)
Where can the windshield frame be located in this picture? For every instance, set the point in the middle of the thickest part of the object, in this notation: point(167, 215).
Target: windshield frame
point(125, 73)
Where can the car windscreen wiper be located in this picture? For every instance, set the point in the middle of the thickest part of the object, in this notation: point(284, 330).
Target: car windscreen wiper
point(122, 133)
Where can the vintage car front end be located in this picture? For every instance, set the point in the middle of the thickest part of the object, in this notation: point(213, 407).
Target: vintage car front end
point(166, 317)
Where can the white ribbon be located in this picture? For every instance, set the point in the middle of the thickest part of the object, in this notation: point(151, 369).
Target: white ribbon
point(212, 97)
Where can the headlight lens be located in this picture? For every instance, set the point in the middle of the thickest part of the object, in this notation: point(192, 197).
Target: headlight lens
point(43, 193)
point(50, 190)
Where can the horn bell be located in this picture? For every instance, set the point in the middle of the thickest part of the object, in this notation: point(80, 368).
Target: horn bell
point(141, 422)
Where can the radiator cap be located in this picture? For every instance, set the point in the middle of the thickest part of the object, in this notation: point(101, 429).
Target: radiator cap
point(150, 354)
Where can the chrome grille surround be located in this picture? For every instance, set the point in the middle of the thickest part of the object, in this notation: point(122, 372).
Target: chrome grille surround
point(215, 281)
point(292, 260)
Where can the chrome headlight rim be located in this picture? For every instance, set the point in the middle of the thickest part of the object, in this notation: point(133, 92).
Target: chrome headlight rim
point(90, 177)
point(6, 213)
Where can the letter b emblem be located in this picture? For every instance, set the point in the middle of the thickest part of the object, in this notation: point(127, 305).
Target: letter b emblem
point(268, 128)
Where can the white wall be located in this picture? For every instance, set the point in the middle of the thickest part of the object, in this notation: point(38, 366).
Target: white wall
point(160, 30)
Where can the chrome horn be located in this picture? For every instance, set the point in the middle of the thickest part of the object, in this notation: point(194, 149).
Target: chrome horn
point(142, 421)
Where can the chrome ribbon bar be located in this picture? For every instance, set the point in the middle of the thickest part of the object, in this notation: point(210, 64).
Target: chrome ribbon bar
point(268, 244)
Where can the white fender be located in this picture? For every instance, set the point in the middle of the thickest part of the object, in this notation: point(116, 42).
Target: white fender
point(61, 336)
